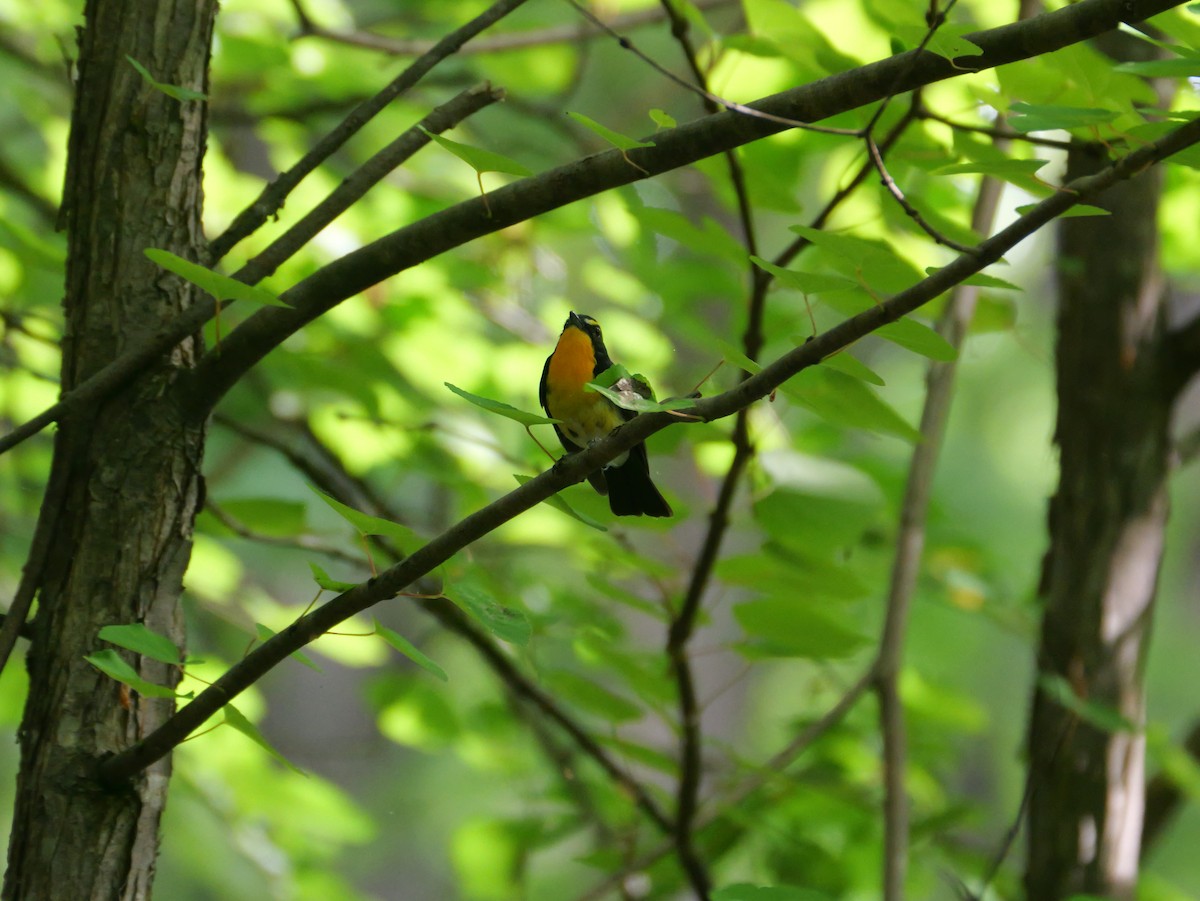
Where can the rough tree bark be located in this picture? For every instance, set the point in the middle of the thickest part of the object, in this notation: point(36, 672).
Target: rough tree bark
point(116, 525)
point(1106, 538)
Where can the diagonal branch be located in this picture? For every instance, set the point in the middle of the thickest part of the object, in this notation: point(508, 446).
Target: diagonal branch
point(530, 197)
point(271, 200)
point(576, 467)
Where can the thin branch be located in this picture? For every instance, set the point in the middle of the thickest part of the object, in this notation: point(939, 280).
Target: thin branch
point(364, 178)
point(709, 97)
point(576, 467)
point(299, 542)
point(584, 178)
point(885, 177)
point(554, 34)
point(1006, 134)
point(683, 624)
point(271, 200)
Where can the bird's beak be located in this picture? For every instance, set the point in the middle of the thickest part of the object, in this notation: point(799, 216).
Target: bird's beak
point(574, 320)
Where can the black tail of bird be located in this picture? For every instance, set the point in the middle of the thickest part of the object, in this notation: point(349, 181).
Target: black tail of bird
point(630, 489)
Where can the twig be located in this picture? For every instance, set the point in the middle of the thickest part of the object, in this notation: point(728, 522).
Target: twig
point(898, 195)
point(1001, 133)
point(576, 467)
point(708, 95)
point(364, 178)
point(271, 200)
point(554, 34)
point(683, 623)
point(300, 542)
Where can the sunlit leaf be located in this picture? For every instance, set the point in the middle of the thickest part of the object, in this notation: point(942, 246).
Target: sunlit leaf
point(369, 525)
point(506, 623)
point(479, 159)
point(114, 666)
point(221, 287)
point(845, 400)
point(559, 503)
point(323, 579)
point(409, 650)
point(141, 640)
point(266, 633)
point(850, 365)
point(173, 91)
point(662, 119)
point(1027, 117)
point(238, 721)
point(618, 140)
point(500, 408)
point(784, 628)
point(1076, 212)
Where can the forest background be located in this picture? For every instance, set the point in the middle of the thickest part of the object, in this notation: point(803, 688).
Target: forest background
point(861, 661)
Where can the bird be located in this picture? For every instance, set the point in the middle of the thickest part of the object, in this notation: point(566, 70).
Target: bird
point(585, 416)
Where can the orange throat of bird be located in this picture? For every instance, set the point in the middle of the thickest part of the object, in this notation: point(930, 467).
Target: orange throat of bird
point(573, 363)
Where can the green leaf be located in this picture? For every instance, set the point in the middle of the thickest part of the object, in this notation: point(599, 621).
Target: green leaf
point(323, 579)
point(1186, 67)
point(221, 287)
point(743, 891)
point(618, 140)
point(266, 632)
point(369, 525)
point(706, 240)
point(1075, 212)
point(500, 408)
point(506, 623)
point(267, 515)
point(871, 261)
point(642, 754)
point(844, 400)
point(1007, 169)
point(735, 357)
point(478, 159)
point(409, 650)
point(1027, 117)
point(982, 279)
point(626, 394)
point(1102, 716)
point(993, 314)
point(947, 41)
point(592, 697)
point(235, 718)
point(662, 119)
point(850, 365)
point(137, 638)
point(805, 282)
point(173, 91)
point(559, 503)
point(784, 628)
point(114, 666)
point(906, 332)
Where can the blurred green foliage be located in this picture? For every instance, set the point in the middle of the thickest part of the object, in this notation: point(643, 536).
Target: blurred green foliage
point(417, 788)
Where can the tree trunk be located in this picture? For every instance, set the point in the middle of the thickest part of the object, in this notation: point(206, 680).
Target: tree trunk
point(1106, 538)
point(125, 483)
